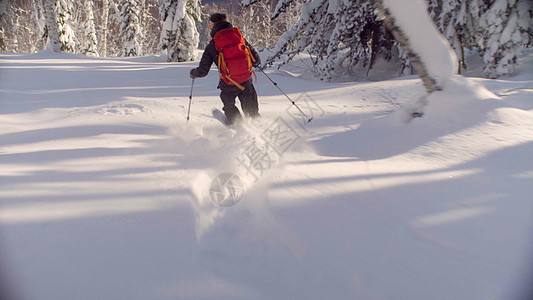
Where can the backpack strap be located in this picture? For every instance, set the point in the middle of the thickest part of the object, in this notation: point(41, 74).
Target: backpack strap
point(250, 60)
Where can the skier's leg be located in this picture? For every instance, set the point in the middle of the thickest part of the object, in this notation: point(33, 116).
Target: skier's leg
point(248, 99)
point(228, 93)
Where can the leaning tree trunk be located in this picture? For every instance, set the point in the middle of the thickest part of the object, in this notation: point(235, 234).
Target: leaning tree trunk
point(429, 83)
point(430, 54)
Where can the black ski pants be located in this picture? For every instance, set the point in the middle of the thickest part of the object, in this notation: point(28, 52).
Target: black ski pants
point(247, 97)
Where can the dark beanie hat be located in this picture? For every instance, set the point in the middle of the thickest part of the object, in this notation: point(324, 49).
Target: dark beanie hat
point(218, 17)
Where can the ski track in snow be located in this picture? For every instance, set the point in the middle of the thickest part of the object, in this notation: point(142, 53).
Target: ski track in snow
point(104, 189)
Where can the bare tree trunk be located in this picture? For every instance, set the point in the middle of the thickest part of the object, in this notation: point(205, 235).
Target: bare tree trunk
point(51, 26)
point(105, 17)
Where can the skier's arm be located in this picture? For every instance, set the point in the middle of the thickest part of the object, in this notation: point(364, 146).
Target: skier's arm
point(255, 55)
point(205, 65)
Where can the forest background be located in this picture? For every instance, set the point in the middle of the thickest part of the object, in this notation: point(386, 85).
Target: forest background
point(341, 38)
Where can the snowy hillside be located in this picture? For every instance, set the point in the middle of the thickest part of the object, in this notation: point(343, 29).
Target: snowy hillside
point(104, 188)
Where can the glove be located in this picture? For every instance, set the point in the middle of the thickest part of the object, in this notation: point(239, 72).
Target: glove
point(256, 64)
point(191, 74)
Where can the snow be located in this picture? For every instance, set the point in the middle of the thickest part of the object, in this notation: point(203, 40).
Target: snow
point(104, 189)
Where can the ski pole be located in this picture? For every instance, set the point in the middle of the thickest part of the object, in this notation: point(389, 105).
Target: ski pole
point(293, 103)
point(190, 100)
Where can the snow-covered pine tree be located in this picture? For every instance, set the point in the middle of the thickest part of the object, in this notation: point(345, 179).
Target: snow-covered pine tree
point(9, 15)
point(339, 34)
point(64, 19)
point(434, 7)
point(131, 31)
point(114, 39)
point(468, 31)
point(179, 35)
point(3, 47)
point(51, 33)
point(299, 38)
point(91, 42)
point(37, 25)
point(3, 14)
point(167, 11)
point(508, 29)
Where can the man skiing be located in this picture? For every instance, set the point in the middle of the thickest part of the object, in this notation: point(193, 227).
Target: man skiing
point(234, 58)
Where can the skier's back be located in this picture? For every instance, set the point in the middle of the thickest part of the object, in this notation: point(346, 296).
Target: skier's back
point(234, 57)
